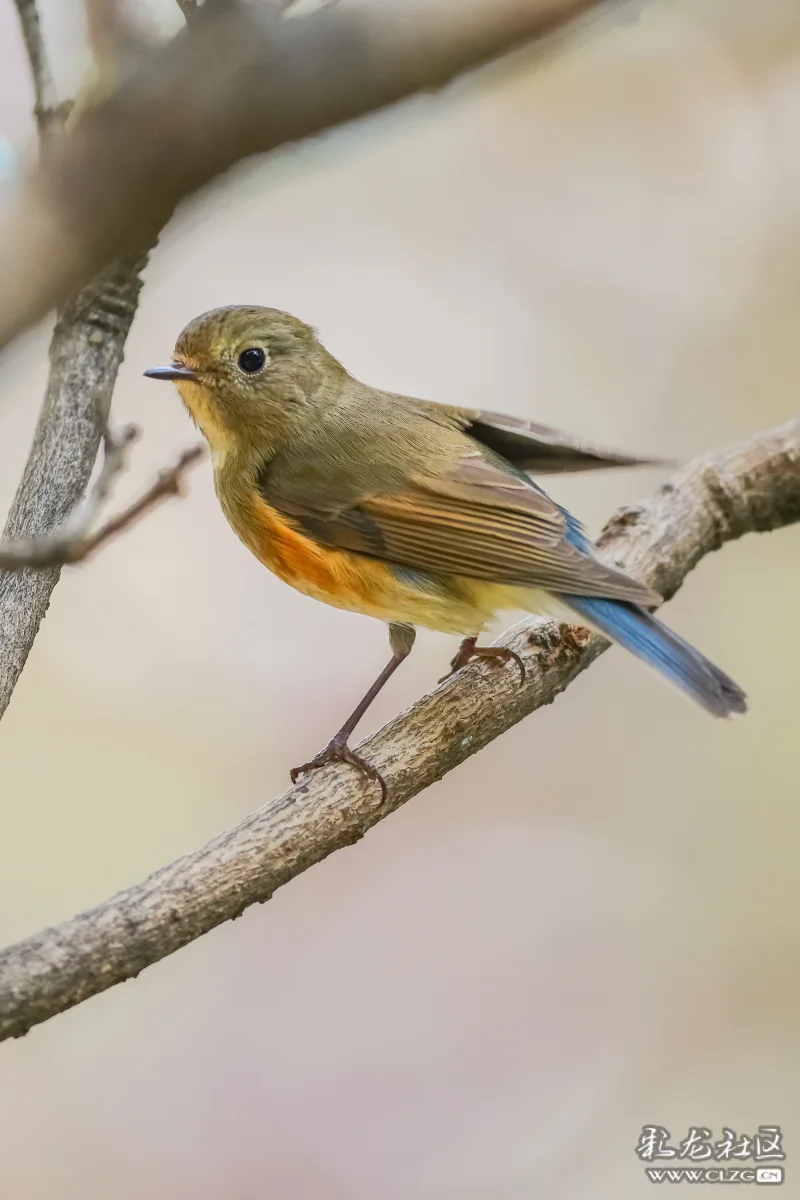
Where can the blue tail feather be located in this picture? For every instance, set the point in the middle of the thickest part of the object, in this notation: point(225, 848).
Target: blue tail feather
point(652, 642)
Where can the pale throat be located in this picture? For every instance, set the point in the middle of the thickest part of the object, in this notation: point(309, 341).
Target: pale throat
point(205, 415)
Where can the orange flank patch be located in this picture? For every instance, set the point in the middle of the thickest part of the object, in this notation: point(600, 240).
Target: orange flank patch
point(345, 580)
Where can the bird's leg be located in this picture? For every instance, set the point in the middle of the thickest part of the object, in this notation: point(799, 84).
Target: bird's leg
point(401, 639)
point(469, 651)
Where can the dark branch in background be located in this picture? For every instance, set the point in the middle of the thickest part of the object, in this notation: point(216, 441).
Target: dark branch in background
point(237, 81)
point(76, 540)
point(753, 486)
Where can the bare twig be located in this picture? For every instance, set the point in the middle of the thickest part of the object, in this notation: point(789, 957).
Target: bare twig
point(239, 81)
point(753, 486)
point(77, 540)
point(45, 99)
point(115, 456)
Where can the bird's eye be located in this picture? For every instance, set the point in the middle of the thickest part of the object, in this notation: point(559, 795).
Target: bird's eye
point(252, 359)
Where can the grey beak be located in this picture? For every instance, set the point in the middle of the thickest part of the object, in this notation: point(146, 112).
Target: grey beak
point(173, 371)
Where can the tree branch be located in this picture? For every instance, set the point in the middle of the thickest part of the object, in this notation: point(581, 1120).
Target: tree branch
point(85, 354)
point(45, 101)
point(237, 81)
point(753, 486)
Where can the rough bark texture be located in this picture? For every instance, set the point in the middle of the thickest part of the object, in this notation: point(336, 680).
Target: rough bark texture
point(753, 486)
point(237, 82)
point(85, 354)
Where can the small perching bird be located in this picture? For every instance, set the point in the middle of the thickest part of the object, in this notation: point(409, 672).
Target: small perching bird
point(413, 512)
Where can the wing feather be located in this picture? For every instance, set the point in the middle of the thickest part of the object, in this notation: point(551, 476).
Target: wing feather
point(541, 450)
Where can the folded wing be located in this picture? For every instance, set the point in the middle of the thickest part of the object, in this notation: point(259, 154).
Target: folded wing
point(479, 520)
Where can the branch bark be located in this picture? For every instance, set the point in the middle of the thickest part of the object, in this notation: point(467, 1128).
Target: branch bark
point(85, 354)
point(754, 486)
point(237, 82)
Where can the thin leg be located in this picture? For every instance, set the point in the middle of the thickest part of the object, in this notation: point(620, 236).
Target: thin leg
point(469, 651)
point(401, 639)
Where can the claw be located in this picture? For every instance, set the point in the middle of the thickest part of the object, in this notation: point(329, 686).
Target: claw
point(469, 652)
point(340, 752)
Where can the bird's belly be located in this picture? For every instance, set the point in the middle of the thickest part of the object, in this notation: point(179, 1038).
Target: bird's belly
point(367, 585)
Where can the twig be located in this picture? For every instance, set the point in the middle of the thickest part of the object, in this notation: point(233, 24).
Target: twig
point(46, 105)
point(753, 486)
point(240, 81)
point(115, 455)
point(76, 540)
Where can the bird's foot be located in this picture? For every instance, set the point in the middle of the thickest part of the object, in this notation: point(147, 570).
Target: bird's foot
point(338, 751)
point(469, 652)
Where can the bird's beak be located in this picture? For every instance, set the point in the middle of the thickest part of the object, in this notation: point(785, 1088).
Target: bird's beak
point(175, 370)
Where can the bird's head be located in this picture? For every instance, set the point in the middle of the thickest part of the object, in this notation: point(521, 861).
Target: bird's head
point(246, 373)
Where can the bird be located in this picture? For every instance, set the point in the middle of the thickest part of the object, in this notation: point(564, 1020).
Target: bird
point(417, 513)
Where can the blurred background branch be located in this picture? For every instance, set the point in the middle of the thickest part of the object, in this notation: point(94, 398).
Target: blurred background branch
point(240, 80)
point(754, 486)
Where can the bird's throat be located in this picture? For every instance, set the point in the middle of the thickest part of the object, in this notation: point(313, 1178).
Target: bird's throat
point(206, 417)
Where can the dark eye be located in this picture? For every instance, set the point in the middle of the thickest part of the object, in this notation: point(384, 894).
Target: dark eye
point(252, 360)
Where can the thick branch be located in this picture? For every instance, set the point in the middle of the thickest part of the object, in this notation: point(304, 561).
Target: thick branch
point(754, 486)
point(85, 354)
point(239, 81)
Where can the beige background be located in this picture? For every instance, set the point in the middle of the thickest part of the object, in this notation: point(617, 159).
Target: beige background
point(591, 926)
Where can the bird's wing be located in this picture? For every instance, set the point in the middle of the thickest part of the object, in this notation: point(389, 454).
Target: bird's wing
point(541, 450)
point(481, 518)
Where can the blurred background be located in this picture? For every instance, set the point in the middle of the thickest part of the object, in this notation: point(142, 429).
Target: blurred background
point(591, 926)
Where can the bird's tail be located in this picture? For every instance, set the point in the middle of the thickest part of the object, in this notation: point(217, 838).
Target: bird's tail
point(655, 644)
